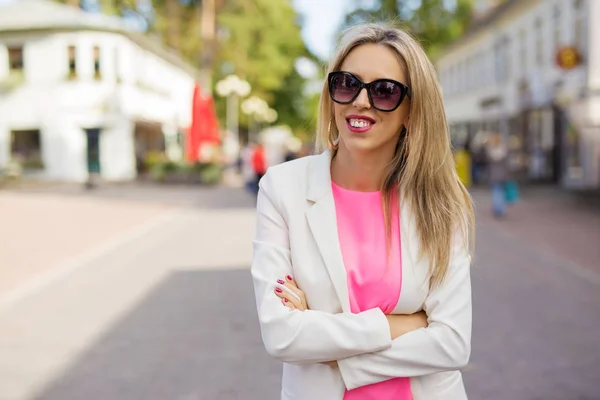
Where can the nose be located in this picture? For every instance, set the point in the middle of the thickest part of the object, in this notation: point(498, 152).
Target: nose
point(362, 101)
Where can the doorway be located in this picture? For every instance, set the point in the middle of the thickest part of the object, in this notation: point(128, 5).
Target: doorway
point(93, 150)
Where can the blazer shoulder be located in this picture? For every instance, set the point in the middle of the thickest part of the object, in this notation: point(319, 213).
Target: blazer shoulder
point(291, 172)
point(287, 183)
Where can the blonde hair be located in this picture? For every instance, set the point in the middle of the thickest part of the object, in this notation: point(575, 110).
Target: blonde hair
point(423, 166)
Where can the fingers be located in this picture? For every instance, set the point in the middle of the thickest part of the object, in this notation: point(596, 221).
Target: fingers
point(288, 304)
point(291, 284)
point(285, 295)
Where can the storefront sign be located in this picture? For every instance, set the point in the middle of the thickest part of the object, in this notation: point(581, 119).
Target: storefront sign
point(568, 57)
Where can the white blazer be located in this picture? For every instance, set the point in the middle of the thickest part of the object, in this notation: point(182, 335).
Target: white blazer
point(297, 235)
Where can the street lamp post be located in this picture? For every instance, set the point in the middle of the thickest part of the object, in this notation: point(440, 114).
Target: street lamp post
point(233, 88)
point(258, 110)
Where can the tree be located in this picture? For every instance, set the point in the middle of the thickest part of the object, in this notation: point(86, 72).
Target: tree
point(433, 22)
point(296, 108)
point(260, 42)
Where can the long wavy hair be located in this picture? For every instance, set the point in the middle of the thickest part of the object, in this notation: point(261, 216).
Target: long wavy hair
point(422, 168)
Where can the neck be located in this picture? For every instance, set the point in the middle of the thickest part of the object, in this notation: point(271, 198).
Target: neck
point(362, 172)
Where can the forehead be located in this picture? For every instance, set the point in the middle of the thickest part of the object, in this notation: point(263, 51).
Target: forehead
point(374, 61)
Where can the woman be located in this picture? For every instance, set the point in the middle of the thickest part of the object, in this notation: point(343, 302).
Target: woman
point(361, 262)
point(497, 157)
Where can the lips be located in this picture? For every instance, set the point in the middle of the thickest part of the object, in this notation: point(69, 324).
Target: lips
point(359, 123)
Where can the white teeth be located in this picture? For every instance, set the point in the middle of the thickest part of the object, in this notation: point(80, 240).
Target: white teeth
point(359, 123)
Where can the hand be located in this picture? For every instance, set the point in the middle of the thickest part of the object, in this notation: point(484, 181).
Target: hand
point(332, 364)
point(292, 302)
point(401, 324)
point(288, 299)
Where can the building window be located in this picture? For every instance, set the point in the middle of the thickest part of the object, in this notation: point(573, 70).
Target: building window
point(579, 26)
point(556, 24)
point(468, 82)
point(498, 63)
point(15, 58)
point(482, 69)
point(117, 67)
point(97, 72)
point(72, 62)
point(26, 149)
point(523, 51)
point(507, 57)
point(539, 42)
point(463, 76)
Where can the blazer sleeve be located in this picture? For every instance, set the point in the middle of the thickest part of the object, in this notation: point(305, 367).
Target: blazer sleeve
point(444, 345)
point(294, 336)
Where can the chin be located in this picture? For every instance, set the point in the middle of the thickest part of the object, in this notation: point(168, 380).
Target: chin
point(360, 144)
point(356, 144)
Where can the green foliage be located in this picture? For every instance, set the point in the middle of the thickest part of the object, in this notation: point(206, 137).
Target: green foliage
point(435, 25)
point(295, 108)
point(198, 173)
point(262, 42)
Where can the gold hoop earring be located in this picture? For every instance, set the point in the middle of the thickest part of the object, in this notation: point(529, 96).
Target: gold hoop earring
point(332, 141)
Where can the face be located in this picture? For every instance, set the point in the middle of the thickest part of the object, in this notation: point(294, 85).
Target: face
point(362, 128)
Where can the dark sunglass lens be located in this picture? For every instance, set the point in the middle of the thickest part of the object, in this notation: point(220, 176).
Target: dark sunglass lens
point(344, 87)
point(386, 95)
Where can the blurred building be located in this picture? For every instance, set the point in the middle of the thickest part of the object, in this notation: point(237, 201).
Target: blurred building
point(531, 70)
point(81, 93)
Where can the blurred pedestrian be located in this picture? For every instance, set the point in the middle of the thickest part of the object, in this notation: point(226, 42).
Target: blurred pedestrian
point(247, 169)
point(259, 163)
point(514, 164)
point(289, 155)
point(478, 157)
point(497, 157)
point(351, 244)
point(462, 158)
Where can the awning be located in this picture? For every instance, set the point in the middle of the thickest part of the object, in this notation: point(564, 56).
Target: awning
point(204, 130)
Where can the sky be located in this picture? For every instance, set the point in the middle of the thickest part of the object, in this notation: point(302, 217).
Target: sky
point(322, 19)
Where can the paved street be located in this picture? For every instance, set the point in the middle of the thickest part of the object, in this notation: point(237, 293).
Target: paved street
point(141, 292)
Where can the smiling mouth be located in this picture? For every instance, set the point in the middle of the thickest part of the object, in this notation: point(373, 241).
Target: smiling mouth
point(359, 124)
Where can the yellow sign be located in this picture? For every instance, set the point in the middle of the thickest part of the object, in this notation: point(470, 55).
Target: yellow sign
point(568, 57)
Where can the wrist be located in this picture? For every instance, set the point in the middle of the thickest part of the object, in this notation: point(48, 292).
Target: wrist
point(392, 322)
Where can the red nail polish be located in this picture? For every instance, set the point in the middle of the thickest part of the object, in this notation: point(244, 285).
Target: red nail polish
point(280, 281)
point(286, 300)
point(289, 278)
point(278, 290)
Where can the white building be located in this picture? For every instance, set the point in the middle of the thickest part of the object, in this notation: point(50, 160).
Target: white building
point(82, 93)
point(504, 75)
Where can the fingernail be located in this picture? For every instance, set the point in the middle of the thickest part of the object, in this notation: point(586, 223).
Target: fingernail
point(280, 281)
point(286, 300)
point(278, 290)
point(289, 278)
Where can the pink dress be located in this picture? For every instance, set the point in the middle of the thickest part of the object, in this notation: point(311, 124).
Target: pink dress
point(373, 279)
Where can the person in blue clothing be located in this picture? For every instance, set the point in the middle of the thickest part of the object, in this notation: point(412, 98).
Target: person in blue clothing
point(497, 159)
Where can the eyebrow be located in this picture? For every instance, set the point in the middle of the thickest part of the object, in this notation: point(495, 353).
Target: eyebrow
point(376, 79)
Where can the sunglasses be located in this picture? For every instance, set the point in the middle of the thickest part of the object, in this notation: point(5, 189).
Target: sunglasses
point(384, 94)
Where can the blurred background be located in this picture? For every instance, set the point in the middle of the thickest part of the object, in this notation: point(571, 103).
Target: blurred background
point(132, 134)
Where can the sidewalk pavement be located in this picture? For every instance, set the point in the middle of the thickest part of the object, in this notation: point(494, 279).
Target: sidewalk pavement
point(564, 223)
point(41, 231)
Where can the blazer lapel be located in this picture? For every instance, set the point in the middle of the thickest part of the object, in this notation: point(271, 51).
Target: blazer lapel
point(322, 220)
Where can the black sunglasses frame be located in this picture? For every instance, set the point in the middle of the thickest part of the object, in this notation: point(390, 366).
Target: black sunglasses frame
point(406, 92)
